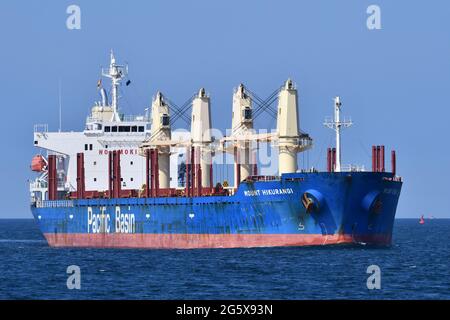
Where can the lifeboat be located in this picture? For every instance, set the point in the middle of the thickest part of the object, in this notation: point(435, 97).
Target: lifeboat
point(38, 163)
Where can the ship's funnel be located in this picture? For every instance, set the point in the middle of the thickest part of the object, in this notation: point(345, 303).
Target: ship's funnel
point(201, 133)
point(288, 128)
point(161, 131)
point(242, 123)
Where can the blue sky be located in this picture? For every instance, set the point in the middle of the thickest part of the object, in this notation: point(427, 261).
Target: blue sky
point(394, 81)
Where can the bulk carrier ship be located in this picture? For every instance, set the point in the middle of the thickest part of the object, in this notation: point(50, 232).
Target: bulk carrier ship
point(119, 183)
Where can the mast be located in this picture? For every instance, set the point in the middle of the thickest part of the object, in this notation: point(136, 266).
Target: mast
point(336, 125)
point(116, 73)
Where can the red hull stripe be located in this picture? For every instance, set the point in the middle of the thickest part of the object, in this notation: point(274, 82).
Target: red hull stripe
point(192, 241)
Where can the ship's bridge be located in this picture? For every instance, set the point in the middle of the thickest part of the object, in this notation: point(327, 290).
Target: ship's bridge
point(126, 125)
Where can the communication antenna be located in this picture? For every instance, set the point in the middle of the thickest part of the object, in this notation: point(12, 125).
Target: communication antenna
point(116, 73)
point(60, 104)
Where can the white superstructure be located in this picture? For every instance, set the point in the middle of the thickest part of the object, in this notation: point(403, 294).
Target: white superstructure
point(106, 130)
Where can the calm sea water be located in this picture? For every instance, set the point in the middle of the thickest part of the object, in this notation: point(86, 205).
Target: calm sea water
point(415, 267)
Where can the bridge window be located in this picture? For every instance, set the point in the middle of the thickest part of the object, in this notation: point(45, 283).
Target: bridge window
point(85, 147)
point(124, 129)
point(134, 129)
point(141, 128)
point(107, 129)
point(114, 128)
point(90, 147)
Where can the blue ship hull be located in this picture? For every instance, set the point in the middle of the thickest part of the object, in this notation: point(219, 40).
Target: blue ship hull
point(298, 209)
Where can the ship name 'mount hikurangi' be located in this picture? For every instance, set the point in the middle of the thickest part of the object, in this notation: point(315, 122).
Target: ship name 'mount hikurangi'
point(134, 182)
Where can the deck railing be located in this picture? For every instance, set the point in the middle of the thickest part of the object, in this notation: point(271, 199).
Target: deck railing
point(54, 203)
point(41, 128)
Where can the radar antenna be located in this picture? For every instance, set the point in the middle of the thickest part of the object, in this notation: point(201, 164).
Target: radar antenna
point(116, 73)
